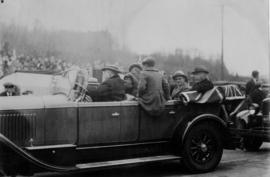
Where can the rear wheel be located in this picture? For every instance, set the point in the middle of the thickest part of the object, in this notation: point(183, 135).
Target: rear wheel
point(202, 148)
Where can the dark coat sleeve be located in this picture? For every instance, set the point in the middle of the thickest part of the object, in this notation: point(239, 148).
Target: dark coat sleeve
point(101, 92)
point(142, 85)
point(257, 96)
point(112, 90)
point(166, 88)
point(250, 86)
point(104, 88)
point(203, 86)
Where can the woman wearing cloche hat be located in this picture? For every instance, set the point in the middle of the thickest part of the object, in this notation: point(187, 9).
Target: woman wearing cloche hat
point(181, 84)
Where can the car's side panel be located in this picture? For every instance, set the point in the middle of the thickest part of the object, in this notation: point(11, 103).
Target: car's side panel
point(60, 116)
point(129, 123)
point(99, 123)
point(159, 127)
point(60, 125)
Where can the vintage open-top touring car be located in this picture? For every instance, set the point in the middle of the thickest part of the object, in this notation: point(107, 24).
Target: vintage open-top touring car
point(56, 133)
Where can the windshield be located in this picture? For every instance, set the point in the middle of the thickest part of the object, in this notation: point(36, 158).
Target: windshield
point(69, 80)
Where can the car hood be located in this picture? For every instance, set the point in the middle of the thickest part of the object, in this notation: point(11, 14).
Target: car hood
point(38, 83)
point(35, 102)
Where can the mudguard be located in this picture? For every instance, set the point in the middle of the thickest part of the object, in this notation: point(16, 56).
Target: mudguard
point(12, 158)
point(202, 117)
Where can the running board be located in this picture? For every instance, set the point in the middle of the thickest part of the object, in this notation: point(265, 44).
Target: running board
point(117, 163)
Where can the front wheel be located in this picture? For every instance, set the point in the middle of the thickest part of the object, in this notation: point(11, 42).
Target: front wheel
point(202, 148)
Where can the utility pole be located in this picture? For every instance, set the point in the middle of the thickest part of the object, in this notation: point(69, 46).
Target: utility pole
point(222, 43)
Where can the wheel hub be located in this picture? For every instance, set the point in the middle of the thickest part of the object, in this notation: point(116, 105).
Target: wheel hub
point(203, 147)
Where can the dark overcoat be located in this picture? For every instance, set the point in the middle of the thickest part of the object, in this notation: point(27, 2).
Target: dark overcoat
point(257, 96)
point(250, 86)
point(202, 86)
point(112, 89)
point(153, 91)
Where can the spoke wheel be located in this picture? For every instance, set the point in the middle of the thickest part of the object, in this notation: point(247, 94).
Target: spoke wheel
point(202, 148)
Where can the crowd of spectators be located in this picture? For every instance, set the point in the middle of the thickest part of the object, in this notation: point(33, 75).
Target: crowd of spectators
point(11, 63)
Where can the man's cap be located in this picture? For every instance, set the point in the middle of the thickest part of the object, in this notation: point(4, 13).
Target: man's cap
point(135, 65)
point(150, 61)
point(8, 84)
point(200, 69)
point(112, 68)
point(179, 73)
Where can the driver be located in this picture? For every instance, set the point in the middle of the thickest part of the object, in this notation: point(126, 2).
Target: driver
point(10, 90)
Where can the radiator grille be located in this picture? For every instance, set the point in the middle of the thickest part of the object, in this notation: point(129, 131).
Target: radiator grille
point(19, 128)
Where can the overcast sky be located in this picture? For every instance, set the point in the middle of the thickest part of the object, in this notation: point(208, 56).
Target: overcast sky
point(146, 26)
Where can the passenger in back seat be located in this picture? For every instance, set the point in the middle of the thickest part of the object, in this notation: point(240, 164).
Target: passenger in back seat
point(132, 79)
point(202, 82)
point(135, 70)
point(153, 88)
point(181, 84)
point(112, 88)
point(131, 85)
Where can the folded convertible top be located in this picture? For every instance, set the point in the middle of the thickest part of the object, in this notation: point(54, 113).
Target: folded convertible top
point(215, 95)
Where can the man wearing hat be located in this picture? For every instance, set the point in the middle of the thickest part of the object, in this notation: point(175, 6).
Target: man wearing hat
point(153, 89)
point(10, 90)
point(112, 88)
point(253, 83)
point(181, 84)
point(202, 82)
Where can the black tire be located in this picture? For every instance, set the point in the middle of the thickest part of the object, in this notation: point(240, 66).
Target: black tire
point(252, 143)
point(202, 148)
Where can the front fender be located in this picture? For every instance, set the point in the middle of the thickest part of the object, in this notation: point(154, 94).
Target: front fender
point(200, 118)
point(14, 160)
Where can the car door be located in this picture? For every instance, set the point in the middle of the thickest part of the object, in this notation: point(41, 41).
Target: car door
point(158, 127)
point(129, 121)
point(99, 123)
